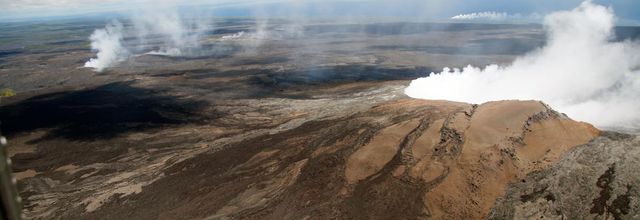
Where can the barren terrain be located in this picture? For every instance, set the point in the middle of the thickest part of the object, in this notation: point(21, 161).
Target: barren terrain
point(296, 128)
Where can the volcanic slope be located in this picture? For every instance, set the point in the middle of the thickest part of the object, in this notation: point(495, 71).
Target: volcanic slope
point(374, 155)
point(400, 159)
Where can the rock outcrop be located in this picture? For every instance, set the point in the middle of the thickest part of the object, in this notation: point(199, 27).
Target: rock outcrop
point(598, 180)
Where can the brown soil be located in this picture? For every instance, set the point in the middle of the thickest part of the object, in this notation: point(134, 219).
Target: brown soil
point(400, 158)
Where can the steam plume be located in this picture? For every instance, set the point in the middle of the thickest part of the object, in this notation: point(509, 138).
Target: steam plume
point(158, 30)
point(491, 15)
point(497, 16)
point(579, 72)
point(179, 35)
point(108, 44)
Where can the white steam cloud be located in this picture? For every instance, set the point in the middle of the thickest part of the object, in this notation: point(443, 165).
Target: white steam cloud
point(496, 16)
point(179, 35)
point(233, 36)
point(491, 15)
point(580, 72)
point(158, 30)
point(107, 43)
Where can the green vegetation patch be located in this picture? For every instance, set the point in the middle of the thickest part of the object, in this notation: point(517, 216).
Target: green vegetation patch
point(7, 93)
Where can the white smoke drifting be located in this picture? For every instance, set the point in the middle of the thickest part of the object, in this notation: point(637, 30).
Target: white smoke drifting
point(497, 17)
point(579, 72)
point(179, 35)
point(490, 15)
point(107, 43)
point(233, 36)
point(158, 30)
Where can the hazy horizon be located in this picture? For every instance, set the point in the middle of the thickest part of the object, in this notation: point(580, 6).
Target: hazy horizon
point(491, 11)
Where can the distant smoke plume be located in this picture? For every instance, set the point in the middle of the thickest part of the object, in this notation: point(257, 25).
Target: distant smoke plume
point(491, 15)
point(497, 16)
point(580, 72)
point(157, 30)
point(107, 43)
point(178, 35)
point(233, 36)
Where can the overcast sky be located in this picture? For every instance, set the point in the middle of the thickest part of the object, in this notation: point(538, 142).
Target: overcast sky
point(627, 10)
